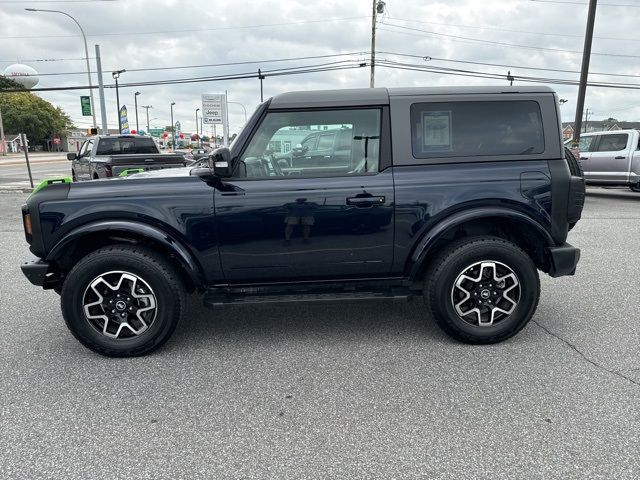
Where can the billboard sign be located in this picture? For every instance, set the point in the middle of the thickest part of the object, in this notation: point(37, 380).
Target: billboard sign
point(85, 105)
point(214, 109)
point(124, 121)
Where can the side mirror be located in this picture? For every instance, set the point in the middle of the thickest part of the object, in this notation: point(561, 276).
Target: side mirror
point(220, 162)
point(71, 156)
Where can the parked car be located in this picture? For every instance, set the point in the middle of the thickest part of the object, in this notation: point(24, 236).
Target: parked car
point(611, 158)
point(457, 195)
point(103, 156)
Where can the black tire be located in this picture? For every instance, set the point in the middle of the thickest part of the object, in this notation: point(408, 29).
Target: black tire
point(165, 286)
point(445, 270)
point(635, 188)
point(575, 167)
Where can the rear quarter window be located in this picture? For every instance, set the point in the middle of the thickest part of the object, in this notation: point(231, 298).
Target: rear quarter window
point(471, 129)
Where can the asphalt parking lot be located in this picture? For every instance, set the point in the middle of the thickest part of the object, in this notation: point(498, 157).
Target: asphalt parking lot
point(346, 391)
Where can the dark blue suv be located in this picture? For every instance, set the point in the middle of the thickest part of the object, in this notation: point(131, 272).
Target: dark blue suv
point(458, 195)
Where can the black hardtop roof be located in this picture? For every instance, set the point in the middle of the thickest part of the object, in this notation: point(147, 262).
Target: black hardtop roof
point(380, 96)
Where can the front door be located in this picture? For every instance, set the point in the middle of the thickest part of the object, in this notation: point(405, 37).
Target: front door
point(81, 165)
point(281, 224)
point(609, 161)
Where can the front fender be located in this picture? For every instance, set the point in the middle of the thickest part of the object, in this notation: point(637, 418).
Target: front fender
point(432, 235)
point(187, 260)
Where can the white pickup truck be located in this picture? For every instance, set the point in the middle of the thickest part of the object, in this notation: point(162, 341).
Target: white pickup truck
point(611, 158)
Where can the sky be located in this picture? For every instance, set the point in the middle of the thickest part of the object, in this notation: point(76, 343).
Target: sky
point(513, 35)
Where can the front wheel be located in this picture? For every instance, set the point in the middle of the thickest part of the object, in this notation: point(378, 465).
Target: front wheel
point(122, 301)
point(635, 188)
point(482, 290)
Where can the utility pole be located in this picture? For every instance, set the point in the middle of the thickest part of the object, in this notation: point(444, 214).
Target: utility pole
point(378, 7)
point(261, 77)
point(584, 72)
point(173, 129)
point(103, 107)
point(3, 144)
point(116, 75)
point(147, 107)
point(586, 120)
point(135, 100)
point(197, 135)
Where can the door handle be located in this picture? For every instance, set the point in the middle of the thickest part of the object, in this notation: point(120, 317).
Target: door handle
point(584, 158)
point(365, 201)
point(620, 157)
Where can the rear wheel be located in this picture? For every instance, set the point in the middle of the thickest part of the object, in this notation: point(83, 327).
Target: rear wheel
point(122, 301)
point(482, 290)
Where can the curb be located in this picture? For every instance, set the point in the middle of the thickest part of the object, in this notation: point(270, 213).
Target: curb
point(15, 189)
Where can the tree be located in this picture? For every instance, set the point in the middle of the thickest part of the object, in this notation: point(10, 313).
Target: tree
point(8, 84)
point(24, 112)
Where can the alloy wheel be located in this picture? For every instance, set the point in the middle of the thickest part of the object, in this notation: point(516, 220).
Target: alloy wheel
point(485, 293)
point(119, 304)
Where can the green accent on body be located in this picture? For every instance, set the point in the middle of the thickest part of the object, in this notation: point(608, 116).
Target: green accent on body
point(51, 181)
point(130, 171)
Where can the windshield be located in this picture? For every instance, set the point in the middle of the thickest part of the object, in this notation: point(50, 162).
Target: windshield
point(126, 145)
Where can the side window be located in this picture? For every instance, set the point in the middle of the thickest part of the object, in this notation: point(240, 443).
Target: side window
point(613, 143)
point(472, 129)
point(309, 143)
point(586, 143)
point(356, 153)
point(325, 142)
point(88, 146)
point(83, 149)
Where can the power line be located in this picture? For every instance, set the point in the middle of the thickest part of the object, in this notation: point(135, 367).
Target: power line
point(497, 29)
point(585, 4)
point(333, 66)
point(180, 67)
point(502, 44)
point(496, 76)
point(190, 30)
point(542, 69)
point(350, 54)
point(57, 1)
point(20, 60)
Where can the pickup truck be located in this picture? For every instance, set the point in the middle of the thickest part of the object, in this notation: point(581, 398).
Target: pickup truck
point(611, 158)
point(104, 156)
point(460, 196)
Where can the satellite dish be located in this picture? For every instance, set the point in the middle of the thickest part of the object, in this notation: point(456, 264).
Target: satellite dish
point(22, 74)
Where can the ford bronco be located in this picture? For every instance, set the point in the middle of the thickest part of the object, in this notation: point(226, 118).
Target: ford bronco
point(458, 195)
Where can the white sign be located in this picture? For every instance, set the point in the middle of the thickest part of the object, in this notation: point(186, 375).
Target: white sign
point(214, 109)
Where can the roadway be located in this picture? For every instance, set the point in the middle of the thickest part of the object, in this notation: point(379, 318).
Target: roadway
point(14, 174)
point(344, 391)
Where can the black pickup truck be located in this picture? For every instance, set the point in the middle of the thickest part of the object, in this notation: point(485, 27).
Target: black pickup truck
point(104, 156)
point(458, 195)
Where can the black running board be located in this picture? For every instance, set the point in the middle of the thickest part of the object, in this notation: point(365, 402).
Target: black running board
point(214, 299)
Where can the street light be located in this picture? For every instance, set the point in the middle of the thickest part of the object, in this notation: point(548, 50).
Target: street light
point(135, 100)
point(147, 107)
point(197, 135)
point(243, 108)
point(86, 55)
point(116, 75)
point(173, 128)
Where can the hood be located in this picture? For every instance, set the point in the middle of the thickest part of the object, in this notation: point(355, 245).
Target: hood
point(161, 173)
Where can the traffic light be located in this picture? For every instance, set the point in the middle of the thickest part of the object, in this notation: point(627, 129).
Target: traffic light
point(92, 131)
